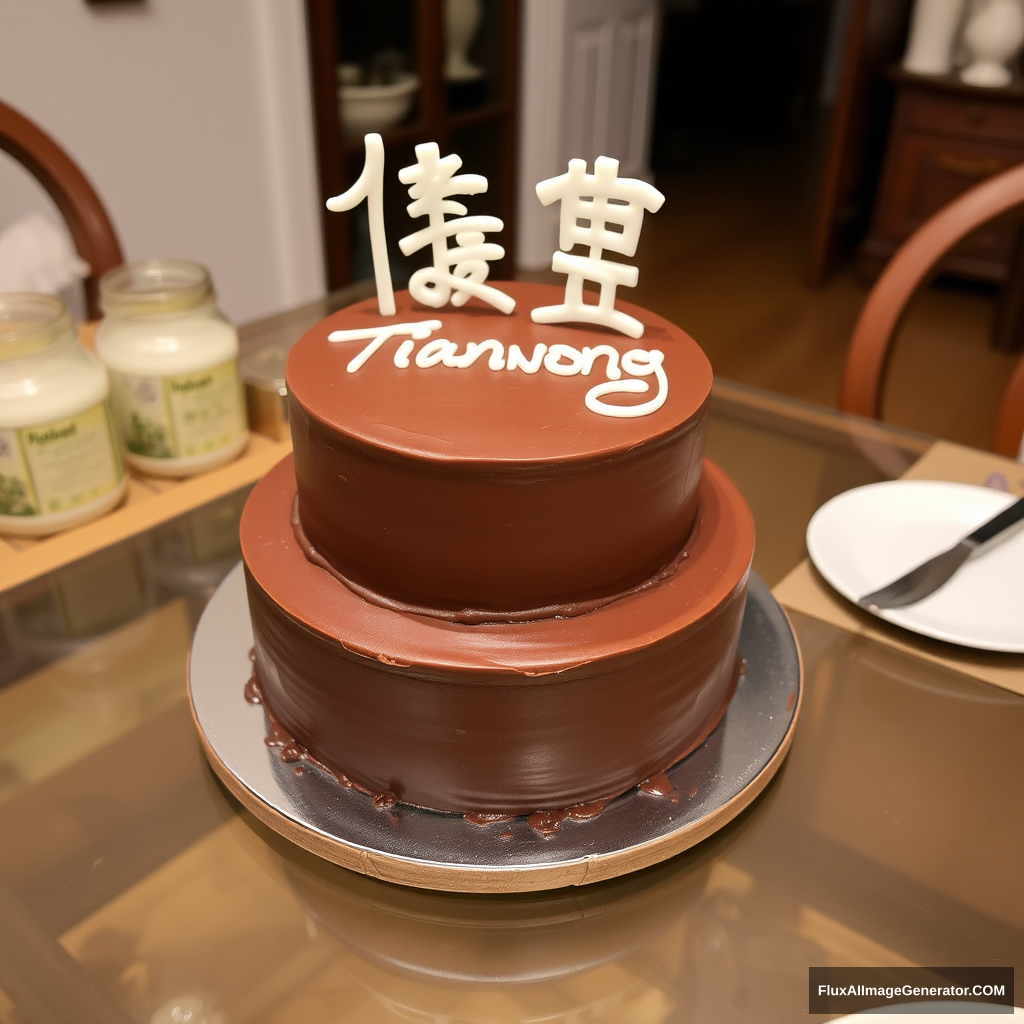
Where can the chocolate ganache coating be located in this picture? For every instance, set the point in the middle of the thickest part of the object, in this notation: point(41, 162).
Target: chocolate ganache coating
point(477, 493)
point(500, 717)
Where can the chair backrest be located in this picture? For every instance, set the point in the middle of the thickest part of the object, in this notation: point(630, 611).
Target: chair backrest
point(1008, 437)
point(872, 338)
point(87, 220)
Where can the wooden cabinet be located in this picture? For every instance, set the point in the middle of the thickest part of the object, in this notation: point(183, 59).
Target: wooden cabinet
point(946, 137)
point(477, 122)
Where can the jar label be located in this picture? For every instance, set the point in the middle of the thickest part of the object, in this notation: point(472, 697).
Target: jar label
point(182, 416)
point(57, 466)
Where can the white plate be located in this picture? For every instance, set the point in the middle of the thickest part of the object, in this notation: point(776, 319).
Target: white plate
point(868, 537)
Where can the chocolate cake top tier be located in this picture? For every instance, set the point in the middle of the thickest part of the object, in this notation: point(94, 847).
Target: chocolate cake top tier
point(518, 484)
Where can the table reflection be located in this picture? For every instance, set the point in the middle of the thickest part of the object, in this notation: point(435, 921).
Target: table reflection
point(864, 851)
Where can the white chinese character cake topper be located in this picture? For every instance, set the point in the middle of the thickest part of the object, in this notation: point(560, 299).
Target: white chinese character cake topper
point(370, 186)
point(601, 211)
point(459, 272)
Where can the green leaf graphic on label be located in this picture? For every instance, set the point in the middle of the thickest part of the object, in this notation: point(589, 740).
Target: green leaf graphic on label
point(14, 497)
point(146, 437)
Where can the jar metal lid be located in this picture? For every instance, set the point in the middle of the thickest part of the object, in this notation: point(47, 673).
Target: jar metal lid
point(31, 322)
point(266, 390)
point(155, 288)
point(265, 368)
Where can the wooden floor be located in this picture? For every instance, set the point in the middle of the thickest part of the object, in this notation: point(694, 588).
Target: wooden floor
point(724, 258)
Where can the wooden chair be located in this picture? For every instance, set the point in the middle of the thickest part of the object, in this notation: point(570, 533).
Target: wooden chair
point(87, 220)
point(872, 337)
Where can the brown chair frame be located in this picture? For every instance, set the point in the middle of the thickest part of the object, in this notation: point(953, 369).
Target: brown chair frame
point(1009, 429)
point(90, 226)
point(916, 259)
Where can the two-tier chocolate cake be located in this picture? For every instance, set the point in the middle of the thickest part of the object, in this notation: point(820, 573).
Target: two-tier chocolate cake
point(484, 583)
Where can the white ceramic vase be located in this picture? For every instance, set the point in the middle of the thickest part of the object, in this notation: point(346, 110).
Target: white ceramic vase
point(993, 36)
point(461, 23)
point(932, 33)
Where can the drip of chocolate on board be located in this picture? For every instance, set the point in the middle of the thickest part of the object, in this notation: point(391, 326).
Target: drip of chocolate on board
point(547, 822)
point(289, 750)
point(584, 812)
point(252, 691)
point(658, 784)
point(481, 818)
point(252, 687)
point(544, 822)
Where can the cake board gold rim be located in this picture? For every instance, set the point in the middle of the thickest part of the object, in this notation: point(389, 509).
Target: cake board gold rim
point(220, 742)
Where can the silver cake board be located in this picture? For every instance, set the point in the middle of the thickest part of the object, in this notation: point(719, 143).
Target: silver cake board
point(433, 850)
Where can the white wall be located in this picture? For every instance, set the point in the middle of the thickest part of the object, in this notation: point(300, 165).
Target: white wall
point(192, 119)
point(587, 77)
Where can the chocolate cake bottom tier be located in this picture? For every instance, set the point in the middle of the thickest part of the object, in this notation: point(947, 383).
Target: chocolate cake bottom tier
point(502, 718)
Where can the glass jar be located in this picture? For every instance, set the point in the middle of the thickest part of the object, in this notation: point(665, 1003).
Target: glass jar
point(173, 362)
point(59, 459)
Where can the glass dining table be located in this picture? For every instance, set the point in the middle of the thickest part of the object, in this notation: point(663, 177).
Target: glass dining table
point(133, 887)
